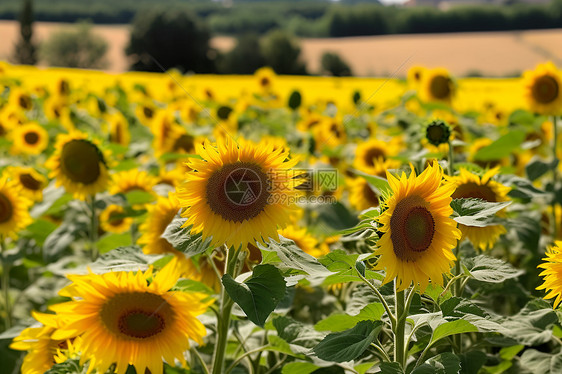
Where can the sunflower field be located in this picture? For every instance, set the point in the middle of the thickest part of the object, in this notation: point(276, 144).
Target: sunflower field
point(168, 223)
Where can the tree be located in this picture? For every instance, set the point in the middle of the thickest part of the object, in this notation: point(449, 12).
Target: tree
point(78, 48)
point(169, 39)
point(282, 53)
point(25, 51)
point(333, 64)
point(245, 57)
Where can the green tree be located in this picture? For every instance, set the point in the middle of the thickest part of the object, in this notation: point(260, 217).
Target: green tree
point(282, 53)
point(25, 51)
point(170, 39)
point(333, 64)
point(244, 58)
point(78, 48)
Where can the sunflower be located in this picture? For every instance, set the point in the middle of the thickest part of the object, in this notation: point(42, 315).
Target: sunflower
point(21, 99)
point(552, 273)
point(57, 109)
point(132, 180)
point(468, 185)
point(79, 165)
point(415, 76)
point(112, 222)
point(418, 234)
point(330, 133)
point(361, 194)
point(543, 89)
point(30, 139)
point(160, 215)
point(480, 143)
point(124, 320)
point(238, 194)
point(118, 129)
point(43, 351)
point(372, 156)
point(437, 85)
point(146, 112)
point(265, 77)
point(303, 240)
point(32, 183)
point(14, 208)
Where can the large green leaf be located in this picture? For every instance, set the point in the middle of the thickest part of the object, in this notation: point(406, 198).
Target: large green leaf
point(501, 147)
point(299, 368)
point(297, 333)
point(349, 344)
point(444, 363)
point(259, 295)
point(476, 212)
point(537, 168)
point(341, 322)
point(112, 241)
point(181, 238)
point(458, 326)
point(391, 368)
point(128, 258)
point(491, 270)
point(532, 325)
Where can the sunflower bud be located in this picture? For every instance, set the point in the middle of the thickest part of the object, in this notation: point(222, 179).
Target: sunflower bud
point(438, 132)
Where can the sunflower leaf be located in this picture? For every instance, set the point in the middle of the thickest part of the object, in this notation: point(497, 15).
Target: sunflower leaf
point(492, 270)
point(181, 238)
point(476, 212)
point(259, 295)
point(444, 363)
point(502, 147)
point(349, 344)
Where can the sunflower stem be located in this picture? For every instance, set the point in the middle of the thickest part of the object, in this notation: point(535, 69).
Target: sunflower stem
point(6, 284)
point(93, 229)
point(381, 298)
point(399, 328)
point(223, 322)
point(554, 177)
point(457, 291)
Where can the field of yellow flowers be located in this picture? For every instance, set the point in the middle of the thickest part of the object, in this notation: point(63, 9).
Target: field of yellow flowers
point(165, 223)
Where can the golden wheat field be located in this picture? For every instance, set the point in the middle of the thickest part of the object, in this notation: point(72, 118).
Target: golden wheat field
point(179, 224)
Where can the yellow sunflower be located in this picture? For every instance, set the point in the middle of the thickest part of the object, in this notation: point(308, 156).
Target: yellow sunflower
point(29, 139)
point(160, 215)
point(304, 240)
point(437, 85)
point(110, 221)
point(14, 208)
point(480, 143)
point(145, 112)
point(361, 195)
point(543, 89)
point(132, 180)
point(123, 319)
point(238, 194)
point(118, 129)
point(43, 351)
point(415, 76)
point(468, 185)
point(21, 99)
point(329, 133)
point(552, 273)
point(418, 233)
point(265, 78)
point(32, 183)
point(79, 165)
point(372, 156)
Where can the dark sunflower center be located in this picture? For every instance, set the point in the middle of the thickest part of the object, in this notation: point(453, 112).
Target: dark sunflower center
point(25, 102)
point(334, 129)
point(56, 112)
point(114, 219)
point(6, 208)
point(264, 82)
point(440, 87)
point(417, 76)
point(64, 87)
point(224, 111)
point(372, 155)
point(476, 191)
point(238, 191)
point(117, 134)
point(370, 195)
point(80, 161)
point(29, 182)
point(136, 315)
point(185, 143)
point(412, 228)
point(31, 137)
point(148, 113)
point(545, 89)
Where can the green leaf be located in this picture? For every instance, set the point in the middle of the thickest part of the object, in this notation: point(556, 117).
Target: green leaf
point(476, 212)
point(391, 368)
point(492, 270)
point(139, 197)
point(537, 168)
point(40, 229)
point(349, 344)
point(127, 164)
point(181, 238)
point(472, 362)
point(531, 326)
point(334, 218)
point(293, 258)
point(458, 326)
point(501, 147)
point(259, 295)
point(536, 362)
point(444, 363)
point(177, 156)
point(379, 185)
point(128, 258)
point(297, 333)
point(112, 241)
point(190, 285)
point(341, 322)
point(299, 368)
